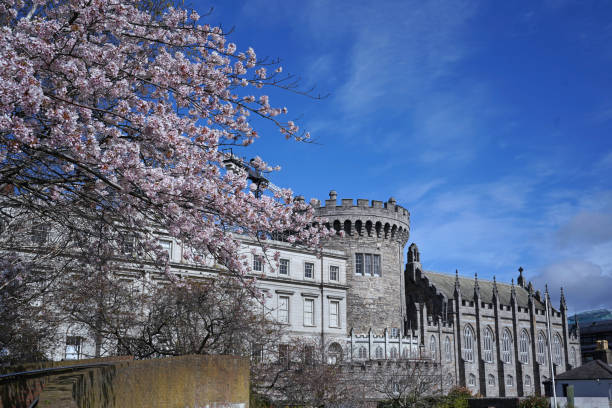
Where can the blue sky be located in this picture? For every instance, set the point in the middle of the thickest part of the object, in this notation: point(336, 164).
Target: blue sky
point(489, 121)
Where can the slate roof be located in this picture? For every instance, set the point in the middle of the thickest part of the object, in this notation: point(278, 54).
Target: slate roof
point(445, 284)
point(590, 371)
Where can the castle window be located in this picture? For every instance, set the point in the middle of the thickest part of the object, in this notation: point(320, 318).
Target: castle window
point(491, 380)
point(468, 343)
point(376, 265)
point(394, 332)
point(283, 309)
point(506, 347)
point(393, 352)
point(308, 270)
point(334, 353)
point(334, 313)
point(334, 272)
point(283, 355)
point(283, 268)
point(363, 353)
point(358, 264)
point(379, 352)
point(166, 247)
point(472, 380)
point(308, 312)
point(541, 349)
point(256, 352)
point(557, 349)
point(40, 233)
point(73, 347)
point(448, 349)
point(573, 357)
point(406, 352)
point(527, 381)
point(368, 264)
point(258, 263)
point(524, 347)
point(488, 345)
point(308, 355)
point(509, 381)
point(432, 347)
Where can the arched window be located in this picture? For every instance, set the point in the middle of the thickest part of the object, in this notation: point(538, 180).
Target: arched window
point(488, 345)
point(448, 350)
point(557, 349)
point(363, 352)
point(524, 347)
point(541, 349)
point(406, 352)
point(527, 381)
point(393, 352)
point(573, 357)
point(334, 353)
point(506, 346)
point(509, 381)
point(491, 380)
point(379, 352)
point(472, 380)
point(432, 347)
point(468, 343)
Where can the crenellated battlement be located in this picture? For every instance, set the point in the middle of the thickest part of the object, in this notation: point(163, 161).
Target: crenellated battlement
point(374, 218)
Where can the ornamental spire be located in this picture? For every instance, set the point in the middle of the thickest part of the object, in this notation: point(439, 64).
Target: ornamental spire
point(457, 284)
point(476, 286)
point(495, 293)
point(562, 301)
point(521, 279)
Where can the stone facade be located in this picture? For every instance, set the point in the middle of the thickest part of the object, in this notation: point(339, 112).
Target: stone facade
point(371, 229)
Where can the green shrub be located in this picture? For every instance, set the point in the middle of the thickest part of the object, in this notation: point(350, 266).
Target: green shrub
point(534, 402)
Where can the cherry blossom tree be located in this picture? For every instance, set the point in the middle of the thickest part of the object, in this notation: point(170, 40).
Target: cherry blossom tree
point(115, 117)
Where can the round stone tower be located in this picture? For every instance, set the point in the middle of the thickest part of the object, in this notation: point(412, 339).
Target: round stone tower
point(374, 238)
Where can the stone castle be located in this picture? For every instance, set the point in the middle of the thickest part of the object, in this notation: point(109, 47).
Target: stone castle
point(368, 303)
point(490, 337)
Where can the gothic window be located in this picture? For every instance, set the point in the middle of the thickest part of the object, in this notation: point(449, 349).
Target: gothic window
point(527, 381)
point(363, 353)
point(541, 349)
point(432, 347)
point(524, 347)
point(491, 380)
point(472, 380)
point(283, 268)
point(308, 355)
point(394, 332)
point(506, 347)
point(334, 353)
point(448, 349)
point(488, 345)
point(379, 352)
point(557, 349)
point(393, 352)
point(509, 381)
point(468, 343)
point(73, 347)
point(406, 352)
point(573, 357)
